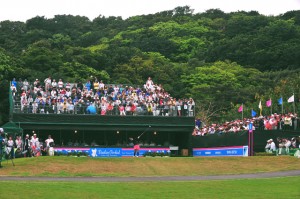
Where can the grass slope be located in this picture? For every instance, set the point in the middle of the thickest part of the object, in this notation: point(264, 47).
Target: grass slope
point(73, 166)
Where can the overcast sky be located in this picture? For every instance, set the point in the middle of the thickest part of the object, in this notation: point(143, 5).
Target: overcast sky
point(22, 10)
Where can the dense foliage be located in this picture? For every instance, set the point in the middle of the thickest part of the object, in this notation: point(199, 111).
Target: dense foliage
point(220, 59)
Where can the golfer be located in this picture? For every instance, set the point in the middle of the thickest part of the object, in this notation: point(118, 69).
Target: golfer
point(136, 147)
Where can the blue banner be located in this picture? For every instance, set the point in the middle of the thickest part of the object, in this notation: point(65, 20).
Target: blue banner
point(105, 152)
point(109, 152)
point(221, 151)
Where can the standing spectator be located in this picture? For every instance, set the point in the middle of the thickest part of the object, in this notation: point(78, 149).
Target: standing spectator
point(185, 107)
point(179, 105)
point(36, 83)
point(88, 85)
point(49, 142)
point(13, 89)
point(80, 85)
point(26, 146)
point(54, 84)
point(19, 84)
point(191, 107)
point(96, 85)
point(19, 144)
point(25, 85)
point(68, 85)
point(14, 82)
point(10, 146)
point(101, 85)
point(60, 84)
point(34, 142)
point(48, 84)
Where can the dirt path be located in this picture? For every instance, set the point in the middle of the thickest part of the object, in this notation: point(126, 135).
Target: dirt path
point(152, 179)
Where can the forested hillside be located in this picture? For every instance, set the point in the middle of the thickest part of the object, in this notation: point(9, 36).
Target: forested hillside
point(220, 59)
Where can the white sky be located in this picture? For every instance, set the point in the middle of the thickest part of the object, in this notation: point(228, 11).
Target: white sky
point(22, 10)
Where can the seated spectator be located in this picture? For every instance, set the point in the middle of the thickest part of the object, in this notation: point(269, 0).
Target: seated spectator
point(91, 109)
point(70, 108)
point(122, 110)
point(270, 147)
point(287, 144)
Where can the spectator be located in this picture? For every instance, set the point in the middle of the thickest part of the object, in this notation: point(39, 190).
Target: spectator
point(60, 84)
point(48, 83)
point(91, 109)
point(54, 84)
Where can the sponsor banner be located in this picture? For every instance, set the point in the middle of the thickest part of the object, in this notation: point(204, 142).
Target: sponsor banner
point(109, 152)
point(66, 150)
point(105, 152)
point(221, 151)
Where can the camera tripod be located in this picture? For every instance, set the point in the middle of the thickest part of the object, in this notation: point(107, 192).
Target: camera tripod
point(9, 156)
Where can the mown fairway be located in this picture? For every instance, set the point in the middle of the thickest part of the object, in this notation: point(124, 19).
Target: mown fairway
point(285, 187)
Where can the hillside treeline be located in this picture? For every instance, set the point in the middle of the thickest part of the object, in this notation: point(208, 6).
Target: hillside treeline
point(220, 59)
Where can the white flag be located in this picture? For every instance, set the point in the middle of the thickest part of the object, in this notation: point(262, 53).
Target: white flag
point(291, 99)
point(259, 105)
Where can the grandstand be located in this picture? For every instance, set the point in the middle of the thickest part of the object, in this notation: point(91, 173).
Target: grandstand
point(77, 114)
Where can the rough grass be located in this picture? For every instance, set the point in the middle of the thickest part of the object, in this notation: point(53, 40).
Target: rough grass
point(287, 187)
point(83, 166)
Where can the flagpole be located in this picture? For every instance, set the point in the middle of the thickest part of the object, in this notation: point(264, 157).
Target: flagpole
point(281, 105)
point(242, 111)
point(294, 103)
point(271, 106)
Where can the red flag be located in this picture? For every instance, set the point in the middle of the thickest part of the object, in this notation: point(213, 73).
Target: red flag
point(241, 108)
point(269, 103)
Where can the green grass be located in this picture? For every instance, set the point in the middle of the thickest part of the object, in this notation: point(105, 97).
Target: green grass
point(124, 167)
point(287, 187)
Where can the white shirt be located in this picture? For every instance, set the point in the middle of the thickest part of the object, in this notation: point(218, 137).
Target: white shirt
point(34, 141)
point(48, 141)
point(10, 143)
point(273, 146)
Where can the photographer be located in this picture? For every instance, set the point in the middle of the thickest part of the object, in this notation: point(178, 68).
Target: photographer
point(10, 147)
point(1, 144)
point(26, 146)
point(49, 144)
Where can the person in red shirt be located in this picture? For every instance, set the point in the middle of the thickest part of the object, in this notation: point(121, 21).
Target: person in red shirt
point(136, 147)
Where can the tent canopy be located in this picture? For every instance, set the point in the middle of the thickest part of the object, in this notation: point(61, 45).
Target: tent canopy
point(12, 128)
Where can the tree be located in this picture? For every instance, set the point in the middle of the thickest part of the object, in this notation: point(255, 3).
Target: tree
point(40, 56)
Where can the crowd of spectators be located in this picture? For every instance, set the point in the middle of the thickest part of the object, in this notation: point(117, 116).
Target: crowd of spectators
point(282, 146)
point(275, 121)
point(96, 97)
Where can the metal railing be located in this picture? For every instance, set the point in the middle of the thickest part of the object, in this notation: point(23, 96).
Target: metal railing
point(83, 109)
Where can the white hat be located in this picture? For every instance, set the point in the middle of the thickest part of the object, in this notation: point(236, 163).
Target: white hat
point(271, 140)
